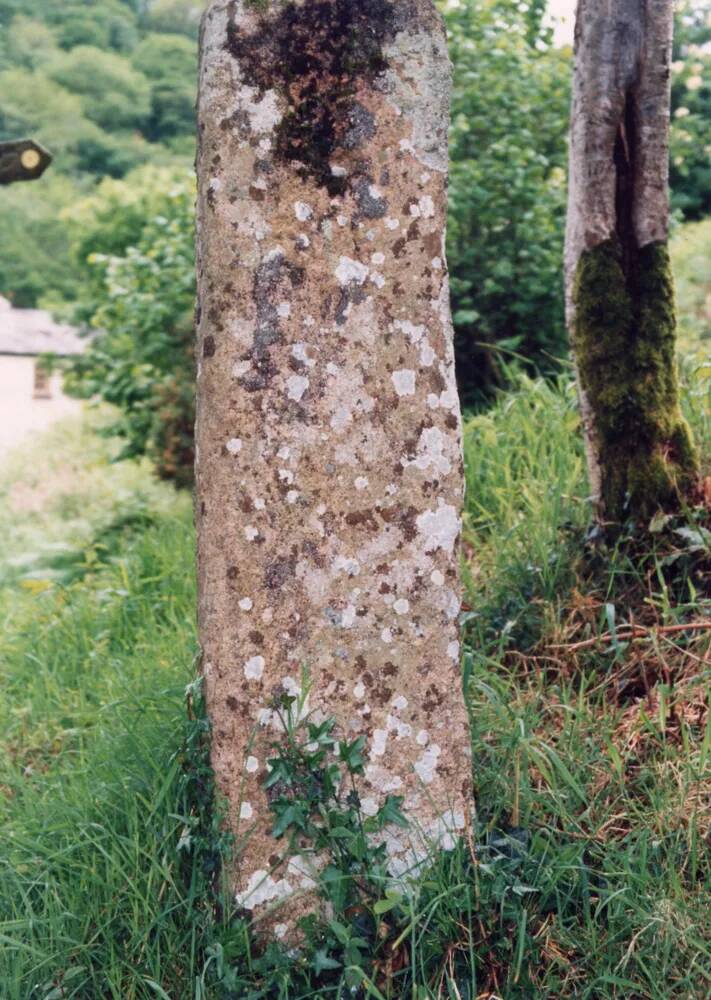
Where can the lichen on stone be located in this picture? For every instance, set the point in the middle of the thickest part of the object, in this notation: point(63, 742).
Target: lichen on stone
point(624, 341)
point(316, 55)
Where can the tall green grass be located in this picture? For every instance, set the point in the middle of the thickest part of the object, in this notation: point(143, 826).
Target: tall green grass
point(586, 873)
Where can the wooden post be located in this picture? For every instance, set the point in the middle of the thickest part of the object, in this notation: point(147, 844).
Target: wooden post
point(22, 160)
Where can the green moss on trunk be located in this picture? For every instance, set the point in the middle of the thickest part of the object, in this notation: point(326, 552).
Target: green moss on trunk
point(624, 340)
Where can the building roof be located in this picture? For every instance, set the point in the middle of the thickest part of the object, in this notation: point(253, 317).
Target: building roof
point(33, 331)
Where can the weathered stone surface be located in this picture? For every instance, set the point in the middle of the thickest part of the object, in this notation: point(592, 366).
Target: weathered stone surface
point(329, 474)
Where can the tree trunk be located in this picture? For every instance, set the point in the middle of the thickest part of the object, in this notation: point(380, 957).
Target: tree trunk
point(619, 289)
point(329, 472)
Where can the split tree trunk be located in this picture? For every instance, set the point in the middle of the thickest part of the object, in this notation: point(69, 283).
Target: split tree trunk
point(620, 297)
point(329, 472)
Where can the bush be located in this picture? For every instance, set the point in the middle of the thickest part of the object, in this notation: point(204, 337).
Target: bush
point(139, 297)
point(507, 194)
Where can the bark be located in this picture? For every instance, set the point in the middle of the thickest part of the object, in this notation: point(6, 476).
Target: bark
point(329, 474)
point(619, 290)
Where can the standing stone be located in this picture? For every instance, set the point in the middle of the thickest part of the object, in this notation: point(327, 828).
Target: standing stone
point(329, 470)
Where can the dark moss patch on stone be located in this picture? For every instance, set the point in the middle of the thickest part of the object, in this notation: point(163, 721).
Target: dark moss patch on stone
point(316, 56)
point(624, 340)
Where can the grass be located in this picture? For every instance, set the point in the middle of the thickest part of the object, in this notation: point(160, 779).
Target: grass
point(585, 875)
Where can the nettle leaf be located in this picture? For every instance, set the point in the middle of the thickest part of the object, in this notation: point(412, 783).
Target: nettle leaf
point(352, 754)
point(293, 814)
point(322, 962)
point(392, 899)
point(391, 812)
point(279, 772)
point(342, 933)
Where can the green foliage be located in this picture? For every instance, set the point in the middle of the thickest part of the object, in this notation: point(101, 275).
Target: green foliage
point(35, 244)
point(168, 62)
point(175, 15)
point(691, 252)
point(139, 296)
point(691, 110)
point(105, 92)
point(113, 94)
point(507, 192)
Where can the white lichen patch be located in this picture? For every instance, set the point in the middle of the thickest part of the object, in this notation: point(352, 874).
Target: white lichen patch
point(404, 382)
point(246, 811)
point(346, 564)
point(246, 604)
point(426, 206)
point(252, 765)
point(348, 617)
point(437, 578)
point(440, 527)
point(262, 888)
point(401, 606)
point(432, 451)
point(413, 331)
point(251, 533)
point(351, 271)
point(453, 651)
point(427, 354)
point(265, 112)
point(302, 211)
point(379, 743)
point(361, 483)
point(254, 668)
point(234, 446)
point(369, 806)
point(296, 387)
point(426, 764)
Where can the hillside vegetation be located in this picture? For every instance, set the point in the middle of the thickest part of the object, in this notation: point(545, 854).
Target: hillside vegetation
point(106, 85)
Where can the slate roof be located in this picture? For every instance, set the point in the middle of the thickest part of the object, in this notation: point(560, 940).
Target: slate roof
point(33, 331)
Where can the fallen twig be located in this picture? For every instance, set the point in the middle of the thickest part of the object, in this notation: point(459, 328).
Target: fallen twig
point(638, 632)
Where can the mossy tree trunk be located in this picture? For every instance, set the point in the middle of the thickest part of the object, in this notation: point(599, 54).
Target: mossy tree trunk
point(620, 296)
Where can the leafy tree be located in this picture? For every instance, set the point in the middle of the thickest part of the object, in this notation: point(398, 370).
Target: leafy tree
point(30, 42)
point(174, 15)
point(691, 110)
point(34, 250)
point(32, 104)
point(114, 95)
point(507, 189)
point(140, 298)
point(168, 62)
